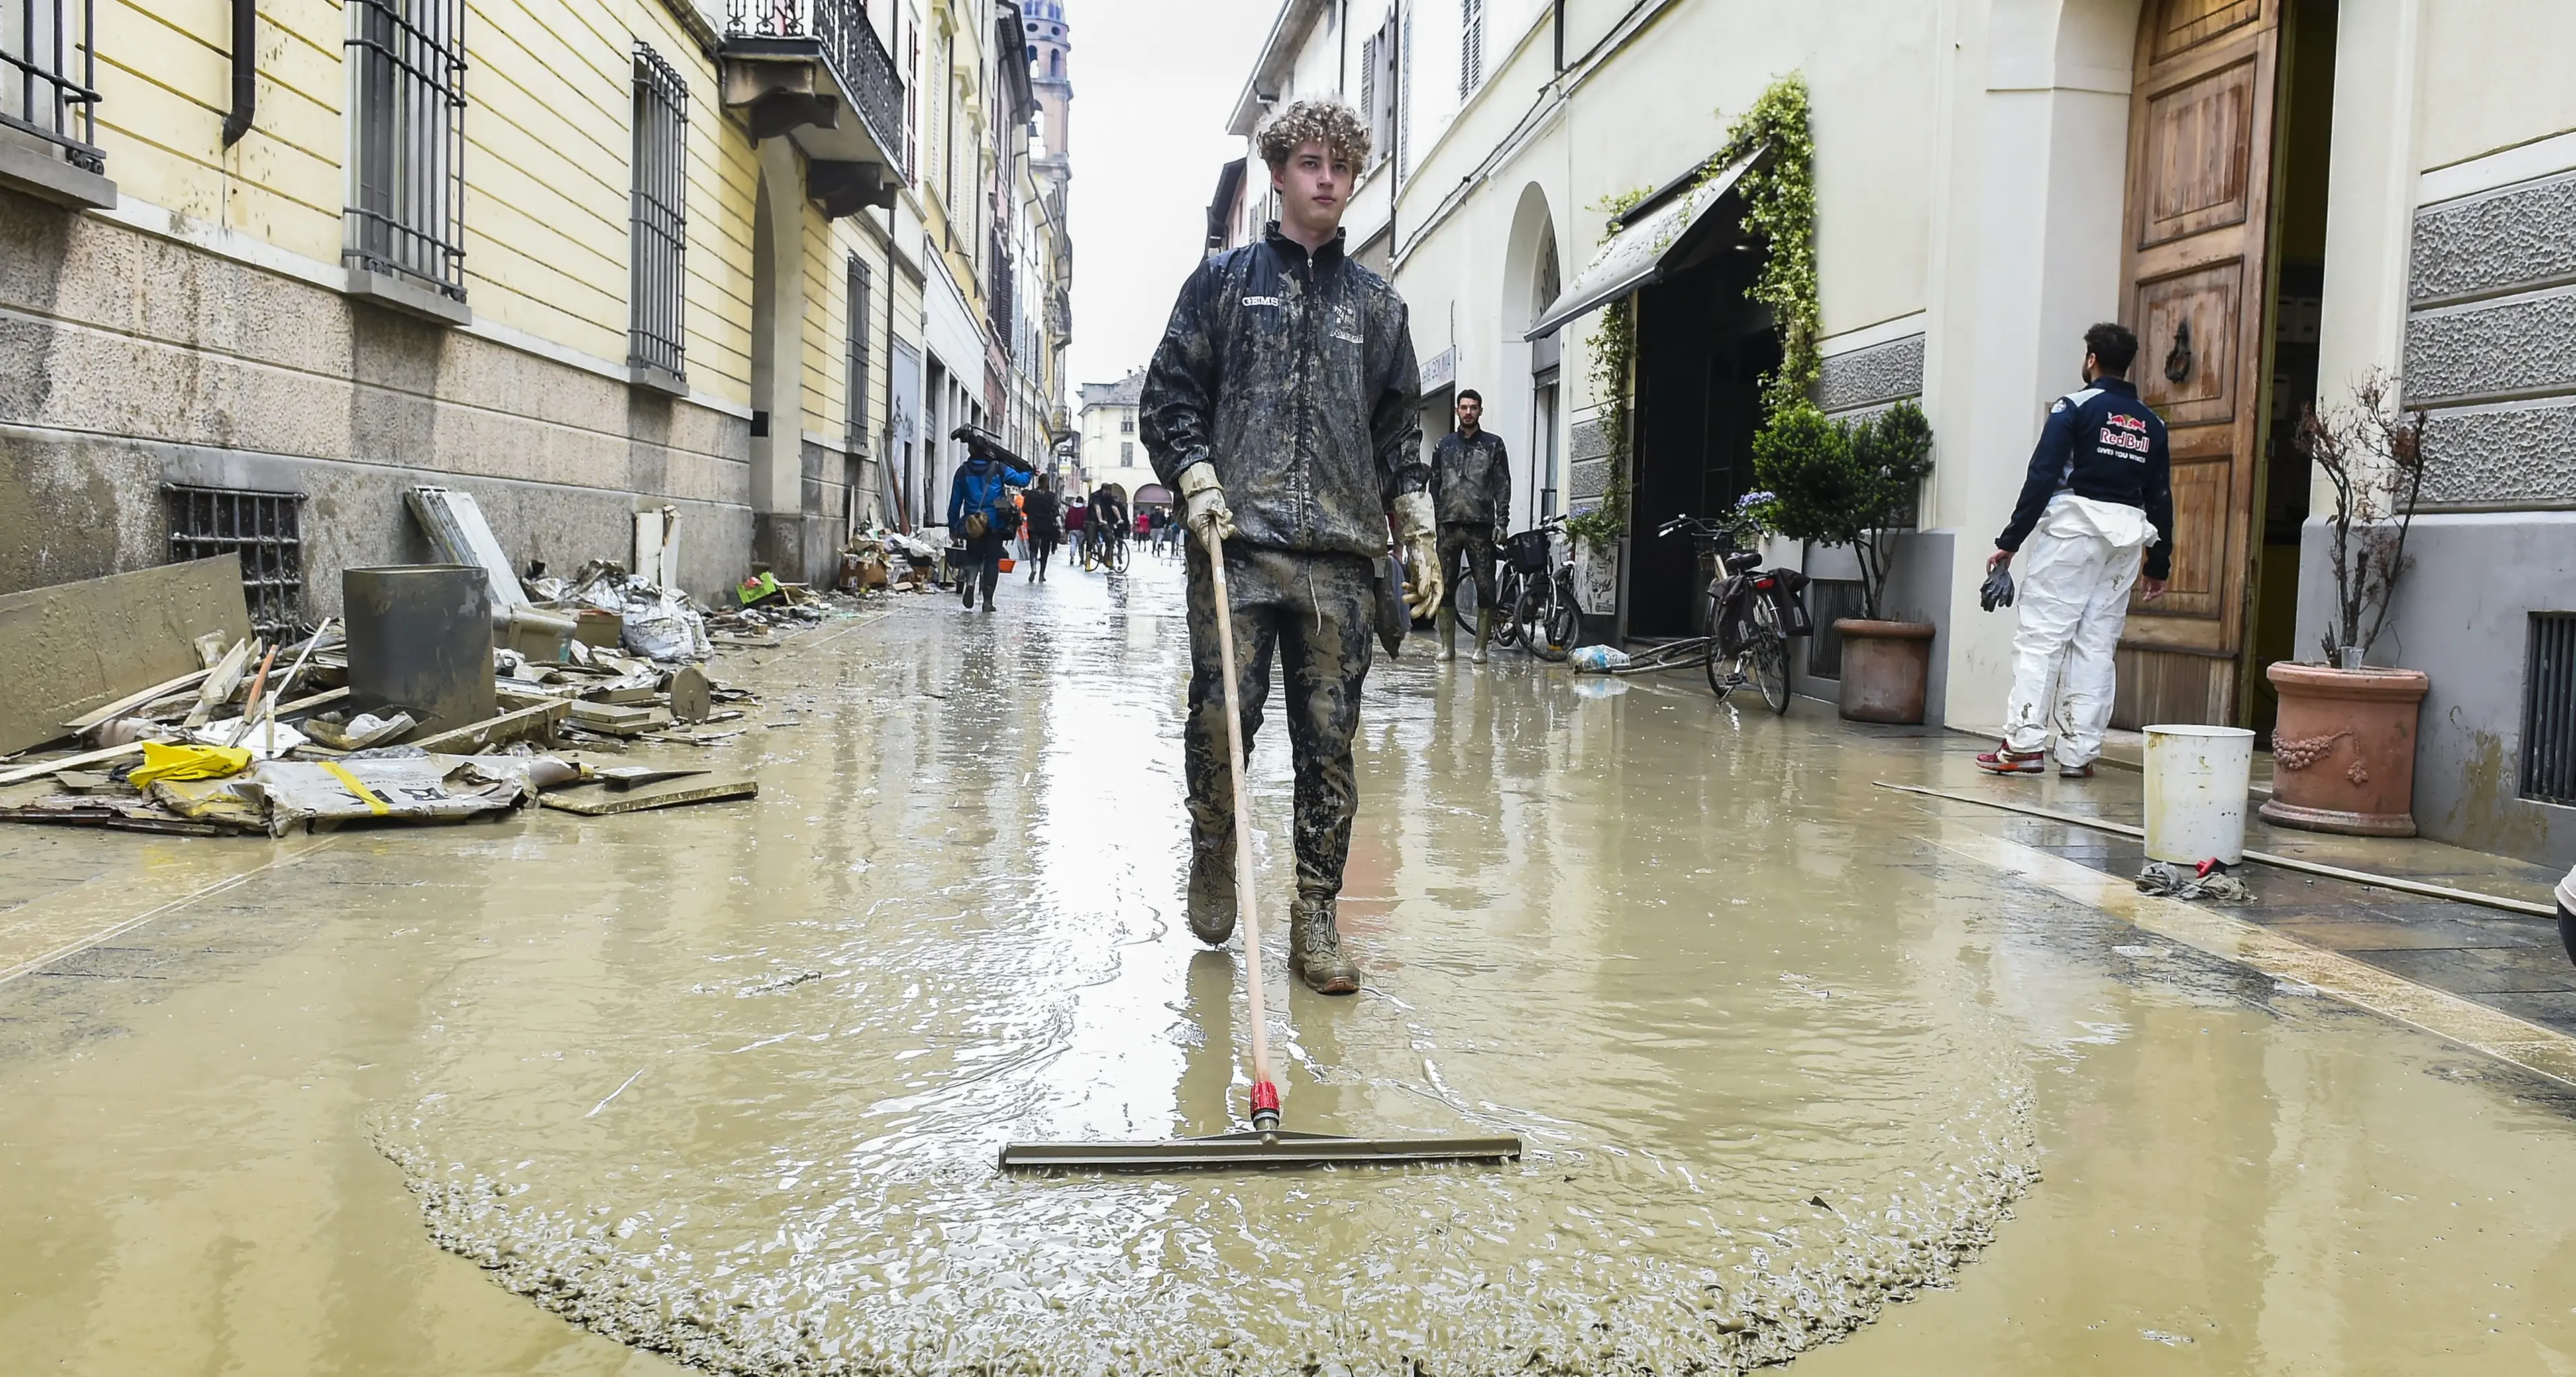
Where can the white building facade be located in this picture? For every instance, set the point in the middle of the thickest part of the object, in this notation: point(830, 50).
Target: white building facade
point(2280, 196)
point(1111, 450)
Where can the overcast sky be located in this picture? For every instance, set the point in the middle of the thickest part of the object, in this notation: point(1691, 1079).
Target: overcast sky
point(1153, 84)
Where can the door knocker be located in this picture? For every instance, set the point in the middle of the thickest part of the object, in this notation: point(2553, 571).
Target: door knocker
point(2178, 359)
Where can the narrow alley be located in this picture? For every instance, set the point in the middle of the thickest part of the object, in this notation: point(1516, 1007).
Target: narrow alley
point(725, 1085)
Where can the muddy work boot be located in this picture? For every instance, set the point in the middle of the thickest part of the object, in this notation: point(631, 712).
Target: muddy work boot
point(1315, 948)
point(1448, 634)
point(992, 581)
point(1484, 633)
point(1211, 901)
point(966, 588)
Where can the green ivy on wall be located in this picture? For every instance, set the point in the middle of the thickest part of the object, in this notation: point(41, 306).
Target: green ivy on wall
point(1613, 347)
point(1780, 202)
point(1779, 193)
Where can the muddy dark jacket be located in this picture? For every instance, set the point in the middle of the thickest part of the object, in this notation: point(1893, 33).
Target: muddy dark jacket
point(1471, 480)
point(2104, 444)
point(1295, 377)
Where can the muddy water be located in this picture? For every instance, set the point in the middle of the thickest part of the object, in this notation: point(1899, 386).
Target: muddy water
point(727, 1085)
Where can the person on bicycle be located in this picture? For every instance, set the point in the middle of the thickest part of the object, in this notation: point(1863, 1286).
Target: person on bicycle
point(1471, 492)
point(1282, 407)
point(2096, 508)
point(1108, 520)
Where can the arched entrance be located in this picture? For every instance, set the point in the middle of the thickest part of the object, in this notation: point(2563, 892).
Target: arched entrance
point(1532, 278)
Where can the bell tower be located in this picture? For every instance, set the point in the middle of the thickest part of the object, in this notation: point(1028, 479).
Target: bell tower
point(1050, 46)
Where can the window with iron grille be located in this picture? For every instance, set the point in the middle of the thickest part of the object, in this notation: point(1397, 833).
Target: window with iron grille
point(660, 229)
point(1471, 46)
point(2549, 710)
point(266, 529)
point(857, 428)
point(407, 202)
point(49, 76)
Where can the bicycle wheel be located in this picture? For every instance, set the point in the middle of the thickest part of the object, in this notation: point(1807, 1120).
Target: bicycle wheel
point(1769, 656)
point(1559, 623)
point(1118, 556)
point(1507, 606)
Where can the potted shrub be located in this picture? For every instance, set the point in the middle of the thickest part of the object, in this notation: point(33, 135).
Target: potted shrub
point(2343, 747)
point(1834, 483)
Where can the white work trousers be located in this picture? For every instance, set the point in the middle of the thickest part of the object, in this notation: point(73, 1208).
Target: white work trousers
point(2077, 569)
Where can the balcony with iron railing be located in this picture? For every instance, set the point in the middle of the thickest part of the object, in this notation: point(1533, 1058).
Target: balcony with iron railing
point(49, 102)
point(793, 65)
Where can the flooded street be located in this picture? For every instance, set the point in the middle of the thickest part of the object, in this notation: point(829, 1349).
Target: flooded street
point(725, 1085)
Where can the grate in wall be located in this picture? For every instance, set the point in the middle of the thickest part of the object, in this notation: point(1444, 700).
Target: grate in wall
point(2549, 710)
point(266, 529)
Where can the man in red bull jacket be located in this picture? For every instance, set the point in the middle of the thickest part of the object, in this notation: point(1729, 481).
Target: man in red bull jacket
point(2096, 508)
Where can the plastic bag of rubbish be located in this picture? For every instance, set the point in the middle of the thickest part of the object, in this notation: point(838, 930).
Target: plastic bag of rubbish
point(660, 625)
point(1597, 659)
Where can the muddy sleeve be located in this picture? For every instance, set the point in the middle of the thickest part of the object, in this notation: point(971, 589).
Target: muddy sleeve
point(2159, 494)
point(2047, 466)
point(1180, 383)
point(1498, 485)
point(1395, 411)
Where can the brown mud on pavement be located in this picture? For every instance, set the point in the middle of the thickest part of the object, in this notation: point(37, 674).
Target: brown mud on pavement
point(728, 1083)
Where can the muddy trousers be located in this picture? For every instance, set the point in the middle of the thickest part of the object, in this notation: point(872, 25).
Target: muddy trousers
point(1473, 542)
point(1311, 615)
point(2074, 600)
point(983, 568)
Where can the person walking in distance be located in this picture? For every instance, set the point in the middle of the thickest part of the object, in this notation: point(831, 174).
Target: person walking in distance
point(1471, 493)
point(1281, 407)
point(1046, 528)
point(2096, 508)
point(980, 509)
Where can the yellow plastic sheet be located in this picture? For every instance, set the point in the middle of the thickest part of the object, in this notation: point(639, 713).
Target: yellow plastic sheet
point(188, 762)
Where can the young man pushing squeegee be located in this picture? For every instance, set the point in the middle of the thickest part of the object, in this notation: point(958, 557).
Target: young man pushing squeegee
point(1281, 406)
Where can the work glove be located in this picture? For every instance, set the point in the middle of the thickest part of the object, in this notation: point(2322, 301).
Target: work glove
point(1998, 589)
point(1415, 531)
point(1203, 505)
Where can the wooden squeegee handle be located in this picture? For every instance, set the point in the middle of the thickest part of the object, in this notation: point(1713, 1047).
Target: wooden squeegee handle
point(1244, 914)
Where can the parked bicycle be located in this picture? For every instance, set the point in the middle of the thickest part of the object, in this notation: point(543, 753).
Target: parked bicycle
point(1748, 614)
point(1536, 594)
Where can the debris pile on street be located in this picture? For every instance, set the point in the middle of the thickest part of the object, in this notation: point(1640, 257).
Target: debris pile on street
point(267, 733)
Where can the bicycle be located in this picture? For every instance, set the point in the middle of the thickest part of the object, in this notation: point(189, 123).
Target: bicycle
point(1541, 612)
point(1750, 613)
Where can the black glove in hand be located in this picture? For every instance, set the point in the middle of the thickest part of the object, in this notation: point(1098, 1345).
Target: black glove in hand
point(1998, 589)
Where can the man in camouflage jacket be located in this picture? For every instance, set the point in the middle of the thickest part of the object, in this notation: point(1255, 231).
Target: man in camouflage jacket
point(1281, 405)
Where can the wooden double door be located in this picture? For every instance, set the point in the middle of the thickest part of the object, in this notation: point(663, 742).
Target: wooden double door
point(2196, 280)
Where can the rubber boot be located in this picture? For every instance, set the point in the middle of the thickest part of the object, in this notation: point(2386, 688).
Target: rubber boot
point(966, 587)
point(992, 580)
point(1484, 633)
point(1448, 634)
point(1211, 899)
point(1315, 948)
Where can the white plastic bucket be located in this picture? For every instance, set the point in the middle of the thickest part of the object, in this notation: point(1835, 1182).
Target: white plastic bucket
point(2196, 783)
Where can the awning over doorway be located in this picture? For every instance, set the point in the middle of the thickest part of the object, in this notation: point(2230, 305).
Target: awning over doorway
point(1636, 255)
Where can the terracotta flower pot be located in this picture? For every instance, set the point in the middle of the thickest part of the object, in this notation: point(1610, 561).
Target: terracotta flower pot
point(1887, 669)
point(2343, 749)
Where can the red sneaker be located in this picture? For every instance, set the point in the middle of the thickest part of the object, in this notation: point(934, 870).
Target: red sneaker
point(2004, 760)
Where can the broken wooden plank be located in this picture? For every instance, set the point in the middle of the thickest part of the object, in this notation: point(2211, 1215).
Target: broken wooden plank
point(23, 773)
point(523, 724)
point(111, 818)
point(591, 804)
point(628, 776)
point(221, 681)
point(313, 702)
point(617, 720)
point(99, 717)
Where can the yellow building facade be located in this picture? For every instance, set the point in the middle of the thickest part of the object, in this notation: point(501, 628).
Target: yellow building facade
point(582, 258)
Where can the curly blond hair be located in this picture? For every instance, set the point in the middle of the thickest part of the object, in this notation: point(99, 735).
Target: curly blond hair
point(1329, 122)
